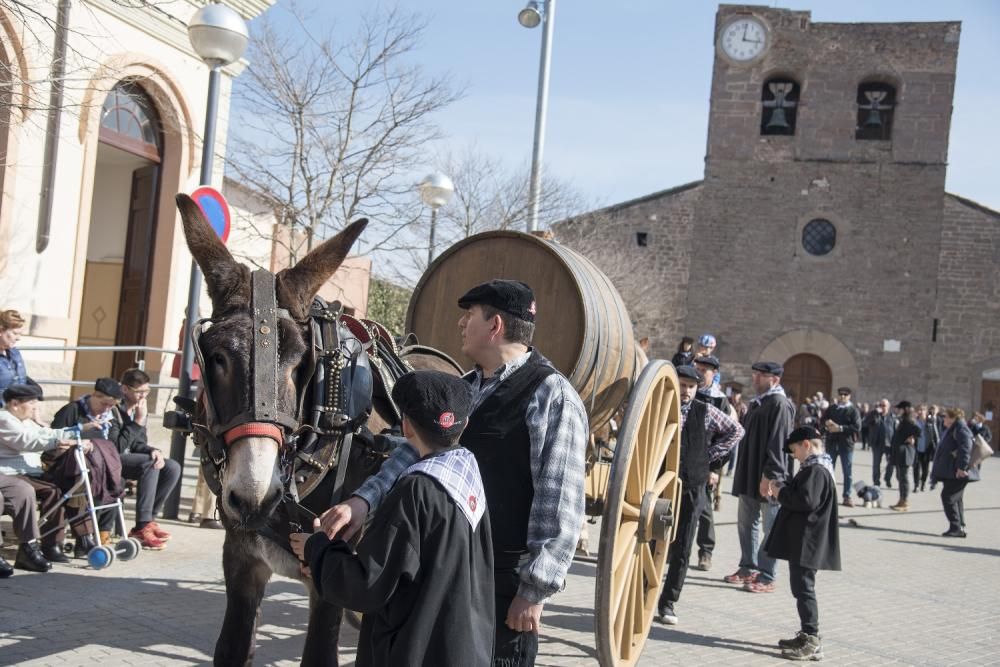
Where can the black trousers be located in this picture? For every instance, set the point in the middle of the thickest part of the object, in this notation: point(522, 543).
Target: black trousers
point(803, 582)
point(706, 524)
point(903, 477)
point(154, 485)
point(922, 467)
point(510, 648)
point(692, 501)
point(878, 452)
point(952, 491)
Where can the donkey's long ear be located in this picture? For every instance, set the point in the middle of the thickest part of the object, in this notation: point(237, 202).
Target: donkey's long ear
point(227, 280)
point(298, 285)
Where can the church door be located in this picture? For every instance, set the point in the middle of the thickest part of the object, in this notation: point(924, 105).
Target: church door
point(805, 374)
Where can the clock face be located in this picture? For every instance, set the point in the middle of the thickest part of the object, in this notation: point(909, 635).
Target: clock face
point(744, 39)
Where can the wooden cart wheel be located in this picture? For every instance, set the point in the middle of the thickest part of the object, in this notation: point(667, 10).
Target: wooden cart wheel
point(638, 523)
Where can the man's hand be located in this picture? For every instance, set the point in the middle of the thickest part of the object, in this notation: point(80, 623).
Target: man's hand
point(765, 487)
point(713, 478)
point(140, 412)
point(345, 519)
point(524, 616)
point(92, 426)
point(832, 426)
point(961, 474)
point(158, 461)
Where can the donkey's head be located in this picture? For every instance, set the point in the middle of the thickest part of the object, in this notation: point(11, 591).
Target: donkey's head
point(251, 483)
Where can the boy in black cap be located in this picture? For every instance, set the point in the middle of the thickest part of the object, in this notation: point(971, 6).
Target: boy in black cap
point(423, 572)
point(805, 534)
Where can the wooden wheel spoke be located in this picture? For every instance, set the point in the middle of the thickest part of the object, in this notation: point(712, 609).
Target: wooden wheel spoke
point(648, 565)
point(630, 511)
point(663, 482)
point(624, 545)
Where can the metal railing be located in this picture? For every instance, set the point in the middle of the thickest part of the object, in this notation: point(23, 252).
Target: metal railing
point(140, 361)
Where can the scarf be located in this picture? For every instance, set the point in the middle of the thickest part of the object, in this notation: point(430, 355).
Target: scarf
point(822, 460)
point(457, 471)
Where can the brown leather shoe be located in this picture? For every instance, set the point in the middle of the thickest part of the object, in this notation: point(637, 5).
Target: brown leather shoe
point(848, 502)
point(901, 506)
point(211, 523)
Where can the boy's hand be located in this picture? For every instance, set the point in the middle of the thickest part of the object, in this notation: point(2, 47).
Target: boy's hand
point(713, 478)
point(765, 487)
point(298, 542)
point(524, 616)
point(345, 519)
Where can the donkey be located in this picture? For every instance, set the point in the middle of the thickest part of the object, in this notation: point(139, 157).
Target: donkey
point(255, 458)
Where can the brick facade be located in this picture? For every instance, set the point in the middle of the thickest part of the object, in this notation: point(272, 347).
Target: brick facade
point(729, 254)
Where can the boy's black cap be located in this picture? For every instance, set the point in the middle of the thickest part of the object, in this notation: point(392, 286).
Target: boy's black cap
point(510, 296)
point(22, 392)
point(109, 387)
point(691, 373)
point(904, 405)
point(708, 360)
point(770, 367)
point(800, 434)
point(844, 390)
point(436, 402)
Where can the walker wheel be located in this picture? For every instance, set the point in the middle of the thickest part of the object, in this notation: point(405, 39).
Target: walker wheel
point(101, 557)
point(128, 549)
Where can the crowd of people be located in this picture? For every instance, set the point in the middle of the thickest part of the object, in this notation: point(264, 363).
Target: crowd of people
point(108, 426)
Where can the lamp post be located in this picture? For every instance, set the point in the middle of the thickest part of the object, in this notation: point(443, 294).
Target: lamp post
point(219, 36)
point(532, 16)
point(435, 191)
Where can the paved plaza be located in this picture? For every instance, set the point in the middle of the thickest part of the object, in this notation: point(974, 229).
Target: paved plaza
point(907, 596)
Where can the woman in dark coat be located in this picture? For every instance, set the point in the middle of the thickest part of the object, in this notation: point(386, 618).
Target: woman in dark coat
point(805, 533)
point(952, 469)
point(904, 452)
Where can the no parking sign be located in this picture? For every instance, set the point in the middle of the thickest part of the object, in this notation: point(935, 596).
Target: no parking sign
point(213, 205)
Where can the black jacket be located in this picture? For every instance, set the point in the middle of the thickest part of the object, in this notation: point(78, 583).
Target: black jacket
point(805, 530)
point(880, 429)
point(904, 454)
point(762, 449)
point(422, 576)
point(848, 417)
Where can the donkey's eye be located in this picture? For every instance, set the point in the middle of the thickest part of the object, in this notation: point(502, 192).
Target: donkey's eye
point(218, 360)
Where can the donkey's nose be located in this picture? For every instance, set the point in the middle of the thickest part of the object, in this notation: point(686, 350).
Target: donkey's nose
point(238, 503)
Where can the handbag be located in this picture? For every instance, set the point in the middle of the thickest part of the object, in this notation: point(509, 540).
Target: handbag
point(981, 450)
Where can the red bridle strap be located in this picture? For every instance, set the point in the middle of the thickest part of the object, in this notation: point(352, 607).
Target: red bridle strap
point(254, 430)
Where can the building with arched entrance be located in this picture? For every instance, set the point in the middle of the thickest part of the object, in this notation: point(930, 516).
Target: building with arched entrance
point(821, 235)
point(91, 248)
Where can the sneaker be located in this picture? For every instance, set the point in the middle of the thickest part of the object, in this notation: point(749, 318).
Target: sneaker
point(795, 642)
point(740, 576)
point(666, 615)
point(704, 562)
point(848, 502)
point(148, 538)
point(759, 587)
point(159, 532)
point(811, 649)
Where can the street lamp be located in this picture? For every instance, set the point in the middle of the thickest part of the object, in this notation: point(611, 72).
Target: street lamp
point(531, 17)
point(435, 191)
point(219, 36)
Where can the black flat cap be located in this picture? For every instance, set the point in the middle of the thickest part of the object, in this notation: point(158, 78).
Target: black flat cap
point(510, 296)
point(690, 372)
point(22, 392)
point(844, 390)
point(708, 360)
point(436, 402)
point(904, 405)
point(109, 387)
point(769, 367)
point(800, 434)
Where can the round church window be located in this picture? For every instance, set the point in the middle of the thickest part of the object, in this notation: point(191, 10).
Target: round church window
point(819, 236)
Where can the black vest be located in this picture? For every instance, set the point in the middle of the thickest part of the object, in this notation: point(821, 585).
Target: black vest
point(498, 435)
point(694, 446)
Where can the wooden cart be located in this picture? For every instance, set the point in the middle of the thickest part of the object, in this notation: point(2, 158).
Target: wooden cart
point(585, 330)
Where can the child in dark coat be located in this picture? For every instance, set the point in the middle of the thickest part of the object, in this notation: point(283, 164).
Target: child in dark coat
point(805, 534)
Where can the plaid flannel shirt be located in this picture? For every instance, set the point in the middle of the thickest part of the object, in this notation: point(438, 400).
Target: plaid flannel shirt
point(725, 431)
point(558, 429)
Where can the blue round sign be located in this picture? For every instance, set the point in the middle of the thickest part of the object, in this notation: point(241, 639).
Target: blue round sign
point(215, 209)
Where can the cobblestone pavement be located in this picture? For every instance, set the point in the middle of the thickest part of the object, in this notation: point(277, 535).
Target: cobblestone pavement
point(907, 596)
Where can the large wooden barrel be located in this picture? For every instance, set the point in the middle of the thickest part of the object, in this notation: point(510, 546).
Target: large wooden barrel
point(581, 326)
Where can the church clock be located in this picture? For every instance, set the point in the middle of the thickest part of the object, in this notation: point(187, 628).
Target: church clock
point(744, 38)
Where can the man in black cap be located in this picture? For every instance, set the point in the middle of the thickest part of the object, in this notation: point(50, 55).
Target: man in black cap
point(711, 393)
point(529, 431)
point(423, 572)
point(842, 422)
point(769, 420)
point(707, 435)
point(156, 474)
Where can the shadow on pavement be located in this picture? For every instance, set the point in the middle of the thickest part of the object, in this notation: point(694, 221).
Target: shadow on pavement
point(952, 545)
point(672, 635)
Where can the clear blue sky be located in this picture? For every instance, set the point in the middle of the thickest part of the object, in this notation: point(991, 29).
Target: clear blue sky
point(629, 91)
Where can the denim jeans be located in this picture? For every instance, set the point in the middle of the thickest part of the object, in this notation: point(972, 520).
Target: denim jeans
point(748, 523)
point(878, 452)
point(845, 451)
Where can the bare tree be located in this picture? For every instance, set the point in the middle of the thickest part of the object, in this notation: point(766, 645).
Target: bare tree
point(331, 127)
